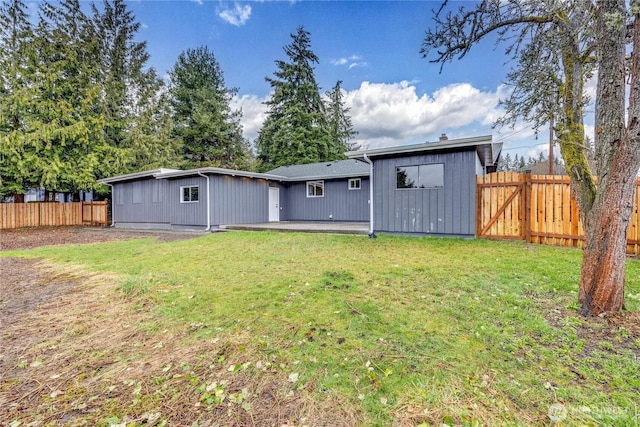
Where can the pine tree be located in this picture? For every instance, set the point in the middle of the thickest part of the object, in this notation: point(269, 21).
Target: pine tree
point(150, 142)
point(340, 125)
point(15, 40)
point(208, 128)
point(137, 127)
point(63, 127)
point(296, 129)
point(504, 164)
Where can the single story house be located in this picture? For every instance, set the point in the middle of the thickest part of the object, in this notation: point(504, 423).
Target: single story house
point(424, 188)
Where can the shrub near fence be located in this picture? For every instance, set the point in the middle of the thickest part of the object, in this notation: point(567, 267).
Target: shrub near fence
point(19, 215)
point(537, 209)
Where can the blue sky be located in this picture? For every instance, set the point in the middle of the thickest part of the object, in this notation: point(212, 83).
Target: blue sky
point(396, 97)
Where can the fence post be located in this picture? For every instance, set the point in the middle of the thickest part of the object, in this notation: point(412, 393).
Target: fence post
point(478, 205)
point(526, 205)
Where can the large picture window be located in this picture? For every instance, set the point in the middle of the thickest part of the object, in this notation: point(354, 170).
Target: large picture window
point(420, 176)
point(189, 194)
point(315, 189)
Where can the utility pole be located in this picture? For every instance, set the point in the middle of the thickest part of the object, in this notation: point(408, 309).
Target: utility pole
point(551, 145)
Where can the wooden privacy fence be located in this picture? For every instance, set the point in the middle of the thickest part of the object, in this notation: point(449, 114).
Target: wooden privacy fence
point(537, 209)
point(18, 215)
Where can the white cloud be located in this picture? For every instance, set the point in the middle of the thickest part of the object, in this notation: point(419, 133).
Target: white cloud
point(358, 64)
point(237, 16)
point(387, 114)
point(540, 148)
point(351, 62)
point(254, 111)
point(390, 114)
point(199, 2)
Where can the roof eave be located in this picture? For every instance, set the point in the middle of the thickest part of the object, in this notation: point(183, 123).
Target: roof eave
point(133, 176)
point(220, 171)
point(338, 176)
point(427, 146)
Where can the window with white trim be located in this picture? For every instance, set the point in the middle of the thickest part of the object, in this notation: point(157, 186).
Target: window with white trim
point(189, 194)
point(315, 188)
point(420, 176)
point(354, 184)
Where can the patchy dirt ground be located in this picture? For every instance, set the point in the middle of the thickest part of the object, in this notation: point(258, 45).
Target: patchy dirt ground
point(27, 238)
point(74, 350)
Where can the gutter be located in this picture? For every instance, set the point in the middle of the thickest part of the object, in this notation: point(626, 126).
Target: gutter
point(208, 204)
point(372, 234)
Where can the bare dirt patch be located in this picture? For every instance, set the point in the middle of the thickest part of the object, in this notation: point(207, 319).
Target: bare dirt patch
point(74, 350)
point(28, 238)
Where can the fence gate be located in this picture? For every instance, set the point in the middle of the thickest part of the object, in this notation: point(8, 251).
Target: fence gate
point(537, 209)
point(94, 213)
point(500, 206)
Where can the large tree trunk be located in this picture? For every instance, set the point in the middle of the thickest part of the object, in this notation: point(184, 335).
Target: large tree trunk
point(618, 159)
point(603, 263)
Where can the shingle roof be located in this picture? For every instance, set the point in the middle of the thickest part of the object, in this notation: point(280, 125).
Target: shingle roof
point(335, 169)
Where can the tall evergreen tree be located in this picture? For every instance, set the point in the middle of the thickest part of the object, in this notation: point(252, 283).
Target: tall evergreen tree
point(296, 129)
point(150, 141)
point(340, 125)
point(210, 131)
point(504, 163)
point(15, 41)
point(136, 125)
point(63, 126)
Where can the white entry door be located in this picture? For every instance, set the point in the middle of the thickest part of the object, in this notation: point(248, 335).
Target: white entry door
point(274, 204)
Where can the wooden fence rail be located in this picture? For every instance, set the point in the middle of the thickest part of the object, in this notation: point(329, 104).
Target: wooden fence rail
point(18, 215)
point(537, 209)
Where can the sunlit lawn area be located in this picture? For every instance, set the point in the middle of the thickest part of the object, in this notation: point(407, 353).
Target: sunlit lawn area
point(401, 330)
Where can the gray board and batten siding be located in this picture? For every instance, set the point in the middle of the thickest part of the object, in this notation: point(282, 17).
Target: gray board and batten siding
point(238, 200)
point(150, 203)
point(445, 206)
point(445, 210)
point(339, 203)
point(153, 199)
point(141, 203)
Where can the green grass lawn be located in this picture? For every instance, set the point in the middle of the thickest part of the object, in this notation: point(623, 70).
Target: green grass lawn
point(411, 331)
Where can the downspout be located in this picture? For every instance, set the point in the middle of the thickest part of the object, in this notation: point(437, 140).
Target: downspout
point(113, 206)
point(208, 204)
point(372, 234)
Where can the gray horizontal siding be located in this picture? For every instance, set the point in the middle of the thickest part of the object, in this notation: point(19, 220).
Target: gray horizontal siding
point(338, 201)
point(447, 211)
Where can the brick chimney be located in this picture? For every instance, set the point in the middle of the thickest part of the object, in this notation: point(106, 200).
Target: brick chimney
point(444, 137)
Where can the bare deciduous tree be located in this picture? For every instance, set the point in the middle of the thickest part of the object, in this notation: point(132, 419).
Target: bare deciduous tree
point(556, 45)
